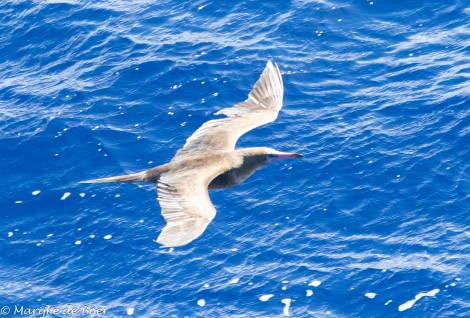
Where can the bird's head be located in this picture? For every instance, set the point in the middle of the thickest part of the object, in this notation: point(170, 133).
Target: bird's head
point(270, 155)
point(260, 156)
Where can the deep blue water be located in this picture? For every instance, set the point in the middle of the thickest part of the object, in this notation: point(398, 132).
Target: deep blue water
point(372, 222)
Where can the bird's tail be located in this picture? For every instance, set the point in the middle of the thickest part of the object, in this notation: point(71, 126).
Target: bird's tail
point(128, 178)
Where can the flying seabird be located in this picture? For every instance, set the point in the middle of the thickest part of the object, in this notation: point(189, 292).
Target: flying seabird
point(209, 160)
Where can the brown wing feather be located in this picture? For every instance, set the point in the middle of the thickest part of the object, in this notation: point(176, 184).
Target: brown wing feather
point(186, 207)
point(262, 106)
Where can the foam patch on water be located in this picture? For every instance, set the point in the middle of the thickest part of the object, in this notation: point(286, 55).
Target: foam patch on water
point(411, 303)
point(286, 302)
point(265, 297)
point(370, 295)
point(65, 195)
point(315, 283)
point(284, 287)
point(201, 302)
point(130, 311)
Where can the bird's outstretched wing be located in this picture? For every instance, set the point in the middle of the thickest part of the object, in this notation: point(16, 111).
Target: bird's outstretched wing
point(185, 206)
point(262, 106)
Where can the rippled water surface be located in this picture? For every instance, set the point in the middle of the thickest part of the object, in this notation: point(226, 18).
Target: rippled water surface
point(372, 222)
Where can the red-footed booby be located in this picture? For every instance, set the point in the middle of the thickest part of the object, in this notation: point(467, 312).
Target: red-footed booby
point(209, 160)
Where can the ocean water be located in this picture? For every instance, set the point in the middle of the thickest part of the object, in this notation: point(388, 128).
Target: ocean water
point(373, 221)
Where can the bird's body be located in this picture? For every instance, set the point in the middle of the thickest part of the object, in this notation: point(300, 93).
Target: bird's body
point(208, 160)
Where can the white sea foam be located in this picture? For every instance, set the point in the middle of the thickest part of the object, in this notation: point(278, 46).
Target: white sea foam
point(265, 297)
point(65, 195)
point(286, 302)
point(370, 295)
point(315, 283)
point(410, 303)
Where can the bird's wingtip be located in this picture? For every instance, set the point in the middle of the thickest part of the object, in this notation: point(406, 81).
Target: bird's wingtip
point(268, 90)
point(182, 232)
point(271, 65)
